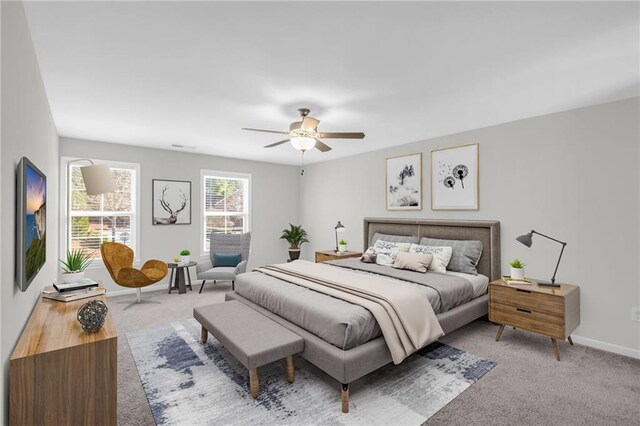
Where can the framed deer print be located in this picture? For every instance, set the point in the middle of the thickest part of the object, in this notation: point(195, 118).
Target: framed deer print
point(171, 202)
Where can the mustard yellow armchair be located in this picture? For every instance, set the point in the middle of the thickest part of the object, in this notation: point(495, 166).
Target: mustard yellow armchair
point(118, 259)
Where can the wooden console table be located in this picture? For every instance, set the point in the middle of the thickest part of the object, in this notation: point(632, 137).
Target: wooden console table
point(60, 375)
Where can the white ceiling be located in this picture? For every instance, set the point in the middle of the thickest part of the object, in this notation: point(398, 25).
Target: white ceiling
point(194, 73)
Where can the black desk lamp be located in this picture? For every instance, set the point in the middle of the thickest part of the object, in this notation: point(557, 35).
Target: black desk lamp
point(339, 228)
point(527, 241)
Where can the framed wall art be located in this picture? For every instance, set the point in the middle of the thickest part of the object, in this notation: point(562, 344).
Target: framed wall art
point(455, 178)
point(171, 202)
point(404, 182)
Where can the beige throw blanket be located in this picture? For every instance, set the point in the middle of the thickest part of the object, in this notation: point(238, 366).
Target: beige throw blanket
point(403, 313)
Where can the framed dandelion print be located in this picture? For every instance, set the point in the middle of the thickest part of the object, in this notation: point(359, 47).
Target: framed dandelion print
point(455, 178)
point(404, 182)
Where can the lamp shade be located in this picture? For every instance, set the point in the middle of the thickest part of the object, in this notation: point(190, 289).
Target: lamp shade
point(97, 179)
point(525, 239)
point(302, 143)
point(340, 227)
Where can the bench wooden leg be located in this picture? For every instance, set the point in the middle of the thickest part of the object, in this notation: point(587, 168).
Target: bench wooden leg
point(254, 382)
point(345, 397)
point(204, 334)
point(291, 369)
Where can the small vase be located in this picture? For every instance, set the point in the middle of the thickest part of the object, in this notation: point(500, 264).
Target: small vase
point(342, 248)
point(71, 277)
point(184, 259)
point(517, 273)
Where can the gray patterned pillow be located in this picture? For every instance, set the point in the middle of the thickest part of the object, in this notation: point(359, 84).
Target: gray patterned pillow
point(466, 253)
point(395, 238)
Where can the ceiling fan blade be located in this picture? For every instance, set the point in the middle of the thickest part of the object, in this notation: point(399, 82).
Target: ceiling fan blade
point(309, 123)
point(276, 143)
point(344, 135)
point(322, 146)
point(266, 131)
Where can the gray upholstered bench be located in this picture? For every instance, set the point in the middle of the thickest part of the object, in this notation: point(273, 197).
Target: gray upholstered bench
point(252, 338)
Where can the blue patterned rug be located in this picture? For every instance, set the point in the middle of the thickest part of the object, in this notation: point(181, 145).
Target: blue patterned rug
point(188, 383)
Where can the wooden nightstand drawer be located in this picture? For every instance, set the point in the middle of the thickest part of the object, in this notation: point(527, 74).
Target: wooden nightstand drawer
point(527, 299)
point(527, 319)
point(324, 256)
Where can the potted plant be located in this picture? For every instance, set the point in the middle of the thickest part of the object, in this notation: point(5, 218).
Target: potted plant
point(342, 246)
point(295, 236)
point(74, 265)
point(517, 269)
point(184, 255)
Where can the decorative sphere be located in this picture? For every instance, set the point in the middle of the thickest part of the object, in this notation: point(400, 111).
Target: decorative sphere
point(91, 315)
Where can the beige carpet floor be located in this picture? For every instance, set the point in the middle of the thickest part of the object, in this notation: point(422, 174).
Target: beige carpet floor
point(528, 386)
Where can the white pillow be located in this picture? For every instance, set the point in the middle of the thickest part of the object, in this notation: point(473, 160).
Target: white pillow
point(418, 262)
point(386, 251)
point(441, 256)
point(382, 246)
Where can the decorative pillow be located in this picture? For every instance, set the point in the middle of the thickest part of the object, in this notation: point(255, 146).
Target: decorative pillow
point(441, 256)
point(395, 238)
point(226, 259)
point(418, 262)
point(466, 253)
point(386, 251)
point(369, 256)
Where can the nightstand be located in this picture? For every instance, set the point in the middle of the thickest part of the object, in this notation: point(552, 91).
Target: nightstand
point(550, 311)
point(323, 256)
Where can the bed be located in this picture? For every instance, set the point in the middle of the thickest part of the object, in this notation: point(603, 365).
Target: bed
point(350, 356)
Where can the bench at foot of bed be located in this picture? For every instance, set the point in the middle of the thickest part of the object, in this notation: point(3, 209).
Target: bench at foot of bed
point(252, 338)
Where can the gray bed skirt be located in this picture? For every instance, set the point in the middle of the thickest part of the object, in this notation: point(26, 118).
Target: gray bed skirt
point(350, 365)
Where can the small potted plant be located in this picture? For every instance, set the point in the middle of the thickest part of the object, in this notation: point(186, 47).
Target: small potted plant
point(342, 246)
point(184, 255)
point(295, 236)
point(517, 269)
point(74, 265)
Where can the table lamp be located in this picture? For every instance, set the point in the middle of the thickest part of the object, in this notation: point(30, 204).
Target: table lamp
point(339, 228)
point(527, 240)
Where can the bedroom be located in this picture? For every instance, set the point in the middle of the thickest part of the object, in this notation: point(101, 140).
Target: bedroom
point(545, 94)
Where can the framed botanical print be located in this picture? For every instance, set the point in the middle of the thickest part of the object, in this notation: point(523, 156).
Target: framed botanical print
point(171, 202)
point(455, 178)
point(404, 182)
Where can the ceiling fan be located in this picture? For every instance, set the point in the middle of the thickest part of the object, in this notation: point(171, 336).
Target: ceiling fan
point(304, 134)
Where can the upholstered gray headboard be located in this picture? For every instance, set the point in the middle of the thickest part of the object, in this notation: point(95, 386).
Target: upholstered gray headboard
point(487, 231)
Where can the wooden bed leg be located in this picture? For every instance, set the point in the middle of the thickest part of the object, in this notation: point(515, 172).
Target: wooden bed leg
point(345, 398)
point(204, 334)
point(291, 370)
point(254, 382)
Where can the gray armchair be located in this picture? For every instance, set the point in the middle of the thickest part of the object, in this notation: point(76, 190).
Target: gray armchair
point(225, 243)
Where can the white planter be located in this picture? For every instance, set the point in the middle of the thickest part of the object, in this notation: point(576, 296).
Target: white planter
point(342, 248)
point(71, 277)
point(184, 259)
point(517, 273)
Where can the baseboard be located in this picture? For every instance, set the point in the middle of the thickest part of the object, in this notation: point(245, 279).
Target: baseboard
point(154, 287)
point(609, 347)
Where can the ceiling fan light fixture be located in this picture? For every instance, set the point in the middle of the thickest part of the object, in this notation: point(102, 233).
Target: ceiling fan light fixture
point(303, 143)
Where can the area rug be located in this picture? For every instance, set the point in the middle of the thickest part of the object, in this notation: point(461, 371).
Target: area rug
point(189, 383)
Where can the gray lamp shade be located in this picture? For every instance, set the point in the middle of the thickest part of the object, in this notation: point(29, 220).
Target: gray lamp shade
point(525, 239)
point(97, 179)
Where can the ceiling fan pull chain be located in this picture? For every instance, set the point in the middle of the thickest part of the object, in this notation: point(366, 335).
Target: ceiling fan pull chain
point(302, 164)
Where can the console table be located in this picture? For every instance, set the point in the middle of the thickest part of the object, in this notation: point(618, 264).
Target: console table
point(60, 375)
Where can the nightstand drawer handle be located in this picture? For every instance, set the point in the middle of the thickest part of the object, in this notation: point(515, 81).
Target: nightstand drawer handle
point(523, 310)
point(522, 291)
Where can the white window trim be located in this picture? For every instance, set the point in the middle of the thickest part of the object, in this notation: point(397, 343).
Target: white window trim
point(204, 254)
point(97, 263)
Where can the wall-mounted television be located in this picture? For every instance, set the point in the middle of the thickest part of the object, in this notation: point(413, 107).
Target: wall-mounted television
point(31, 218)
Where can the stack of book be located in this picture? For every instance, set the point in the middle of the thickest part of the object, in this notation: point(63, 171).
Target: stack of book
point(516, 281)
point(67, 292)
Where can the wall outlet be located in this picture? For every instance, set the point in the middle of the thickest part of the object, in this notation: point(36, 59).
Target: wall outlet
point(635, 314)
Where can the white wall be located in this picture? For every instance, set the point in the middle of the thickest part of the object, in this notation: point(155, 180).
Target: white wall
point(27, 130)
point(274, 200)
point(573, 175)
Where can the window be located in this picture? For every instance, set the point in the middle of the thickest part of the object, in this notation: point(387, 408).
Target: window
point(94, 219)
point(225, 204)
